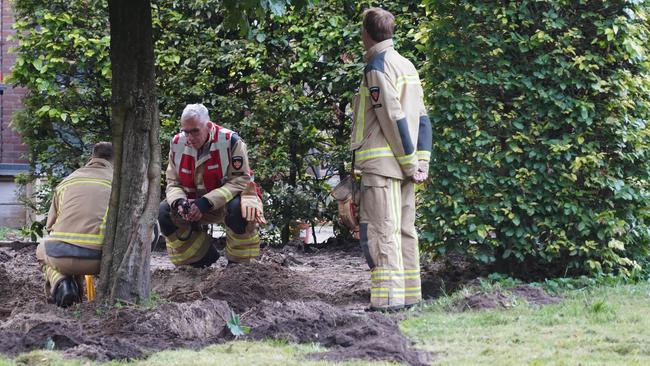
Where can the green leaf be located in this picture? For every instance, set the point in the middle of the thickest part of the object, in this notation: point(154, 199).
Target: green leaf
point(44, 109)
point(235, 326)
point(38, 64)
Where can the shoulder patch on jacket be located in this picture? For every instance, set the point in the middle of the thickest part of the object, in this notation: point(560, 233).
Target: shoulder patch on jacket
point(237, 162)
point(376, 63)
point(374, 93)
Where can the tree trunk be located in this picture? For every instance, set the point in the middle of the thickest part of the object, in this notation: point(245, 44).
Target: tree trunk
point(136, 181)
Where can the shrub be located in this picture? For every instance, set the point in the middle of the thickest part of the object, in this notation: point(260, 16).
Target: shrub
point(540, 112)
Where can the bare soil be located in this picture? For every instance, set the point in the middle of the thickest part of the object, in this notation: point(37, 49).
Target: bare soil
point(297, 293)
point(480, 300)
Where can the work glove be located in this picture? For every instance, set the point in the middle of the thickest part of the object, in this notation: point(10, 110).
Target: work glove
point(423, 166)
point(251, 205)
point(423, 172)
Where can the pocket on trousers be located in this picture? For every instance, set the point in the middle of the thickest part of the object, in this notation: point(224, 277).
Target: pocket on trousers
point(371, 238)
point(371, 180)
point(374, 199)
point(373, 225)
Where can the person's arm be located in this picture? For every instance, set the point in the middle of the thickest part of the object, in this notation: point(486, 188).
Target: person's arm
point(392, 119)
point(237, 177)
point(425, 142)
point(54, 211)
point(174, 190)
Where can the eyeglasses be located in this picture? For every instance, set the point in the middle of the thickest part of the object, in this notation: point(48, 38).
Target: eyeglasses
point(194, 132)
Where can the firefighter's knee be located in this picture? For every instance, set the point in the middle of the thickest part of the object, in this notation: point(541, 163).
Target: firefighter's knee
point(234, 220)
point(165, 219)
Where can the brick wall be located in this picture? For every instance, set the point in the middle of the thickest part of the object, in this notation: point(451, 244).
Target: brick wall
point(12, 151)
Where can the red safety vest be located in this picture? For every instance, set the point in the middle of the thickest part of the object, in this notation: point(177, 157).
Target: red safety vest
point(214, 168)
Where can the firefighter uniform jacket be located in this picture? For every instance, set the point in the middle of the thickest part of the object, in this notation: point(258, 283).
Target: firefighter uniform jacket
point(391, 135)
point(218, 172)
point(79, 206)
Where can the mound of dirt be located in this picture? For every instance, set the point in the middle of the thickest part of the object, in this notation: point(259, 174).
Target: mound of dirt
point(121, 333)
point(182, 284)
point(483, 301)
point(25, 332)
point(348, 335)
point(246, 285)
point(198, 320)
point(505, 299)
point(535, 295)
point(282, 275)
point(20, 279)
point(242, 286)
point(449, 274)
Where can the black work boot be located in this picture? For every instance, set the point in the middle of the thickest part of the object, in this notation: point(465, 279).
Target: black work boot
point(66, 293)
point(387, 309)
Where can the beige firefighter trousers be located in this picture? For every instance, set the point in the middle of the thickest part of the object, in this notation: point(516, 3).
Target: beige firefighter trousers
point(389, 240)
point(56, 269)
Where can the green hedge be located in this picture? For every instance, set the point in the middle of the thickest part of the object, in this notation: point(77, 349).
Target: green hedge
point(540, 112)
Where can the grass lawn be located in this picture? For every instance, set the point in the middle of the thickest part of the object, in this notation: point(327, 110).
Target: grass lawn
point(235, 353)
point(593, 326)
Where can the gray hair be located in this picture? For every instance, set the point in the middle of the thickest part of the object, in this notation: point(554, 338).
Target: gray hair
point(197, 110)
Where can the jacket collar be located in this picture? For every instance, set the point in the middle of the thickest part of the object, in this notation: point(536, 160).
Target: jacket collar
point(99, 162)
point(378, 48)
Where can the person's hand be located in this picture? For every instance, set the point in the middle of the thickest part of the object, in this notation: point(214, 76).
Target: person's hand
point(419, 176)
point(355, 233)
point(181, 206)
point(194, 214)
point(252, 209)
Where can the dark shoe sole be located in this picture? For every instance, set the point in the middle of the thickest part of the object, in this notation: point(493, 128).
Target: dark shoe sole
point(68, 300)
point(388, 309)
point(410, 306)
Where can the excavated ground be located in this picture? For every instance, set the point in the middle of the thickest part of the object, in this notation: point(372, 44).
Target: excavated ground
point(295, 293)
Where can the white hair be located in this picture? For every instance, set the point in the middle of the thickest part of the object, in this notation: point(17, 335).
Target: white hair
point(197, 110)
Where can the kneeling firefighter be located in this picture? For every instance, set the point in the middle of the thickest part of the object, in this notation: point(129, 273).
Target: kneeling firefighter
point(75, 223)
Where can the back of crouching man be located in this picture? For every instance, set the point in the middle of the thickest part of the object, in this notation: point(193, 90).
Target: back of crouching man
point(76, 223)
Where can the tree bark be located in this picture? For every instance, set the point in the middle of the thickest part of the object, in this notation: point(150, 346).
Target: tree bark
point(136, 180)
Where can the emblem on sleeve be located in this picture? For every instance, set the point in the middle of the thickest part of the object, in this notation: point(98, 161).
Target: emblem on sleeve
point(237, 162)
point(374, 93)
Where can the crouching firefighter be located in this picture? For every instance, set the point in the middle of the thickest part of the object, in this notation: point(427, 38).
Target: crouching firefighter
point(75, 223)
point(209, 181)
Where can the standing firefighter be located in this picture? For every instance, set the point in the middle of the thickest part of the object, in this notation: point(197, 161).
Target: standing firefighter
point(76, 223)
point(391, 144)
point(209, 181)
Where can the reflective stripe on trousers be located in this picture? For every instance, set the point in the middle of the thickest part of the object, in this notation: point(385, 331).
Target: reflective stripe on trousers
point(242, 247)
point(187, 251)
